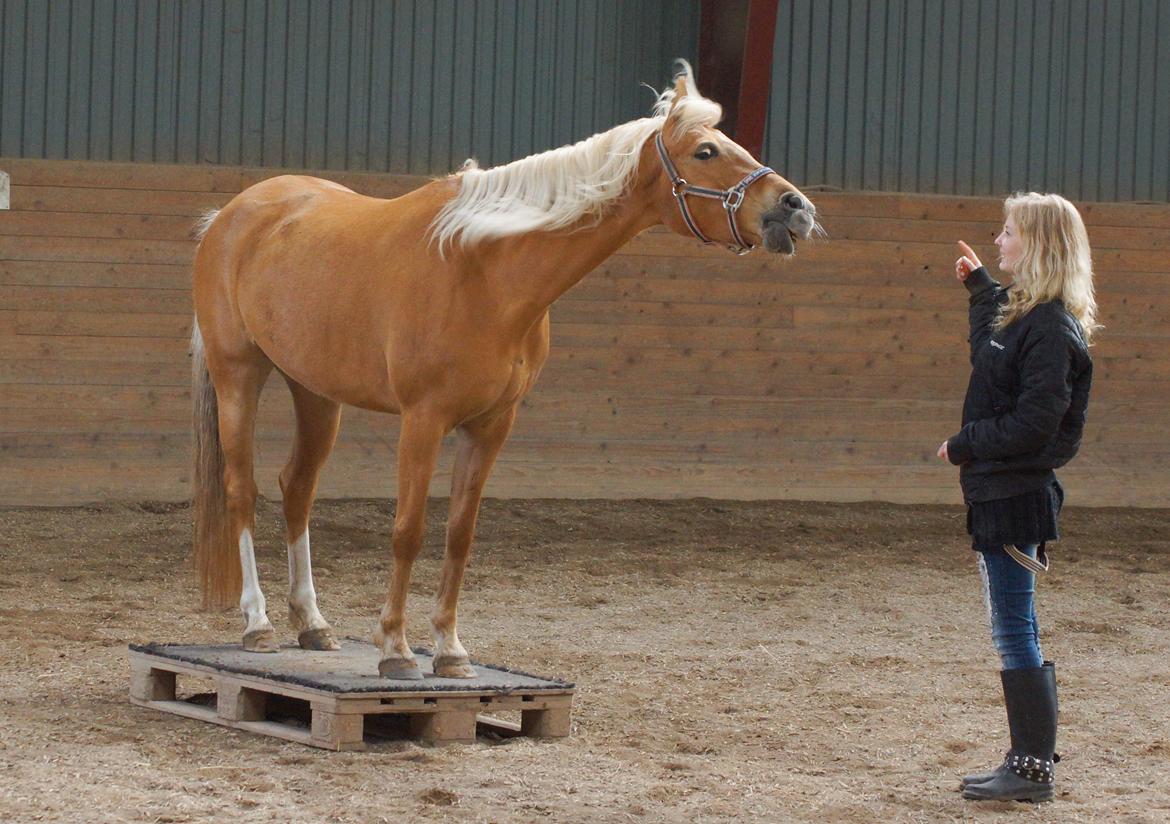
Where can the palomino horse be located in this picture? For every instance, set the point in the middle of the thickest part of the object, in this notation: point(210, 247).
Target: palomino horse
point(433, 306)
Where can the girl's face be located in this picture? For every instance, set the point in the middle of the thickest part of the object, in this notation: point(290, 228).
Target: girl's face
point(1010, 247)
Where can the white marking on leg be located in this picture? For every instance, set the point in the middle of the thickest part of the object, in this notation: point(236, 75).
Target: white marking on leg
point(251, 599)
point(447, 645)
point(393, 645)
point(440, 639)
point(302, 596)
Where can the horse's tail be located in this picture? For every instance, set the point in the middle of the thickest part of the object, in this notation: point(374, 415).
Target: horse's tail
point(216, 559)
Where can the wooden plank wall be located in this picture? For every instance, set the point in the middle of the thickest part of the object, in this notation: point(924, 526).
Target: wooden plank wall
point(675, 371)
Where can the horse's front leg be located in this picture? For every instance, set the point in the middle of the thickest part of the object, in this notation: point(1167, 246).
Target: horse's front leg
point(418, 449)
point(479, 444)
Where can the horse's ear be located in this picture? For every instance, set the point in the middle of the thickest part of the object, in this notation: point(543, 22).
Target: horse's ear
point(684, 82)
point(701, 109)
point(681, 90)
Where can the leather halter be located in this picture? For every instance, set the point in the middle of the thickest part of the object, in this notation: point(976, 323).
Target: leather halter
point(732, 198)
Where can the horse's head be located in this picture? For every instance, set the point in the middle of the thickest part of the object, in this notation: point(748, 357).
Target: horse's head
point(715, 189)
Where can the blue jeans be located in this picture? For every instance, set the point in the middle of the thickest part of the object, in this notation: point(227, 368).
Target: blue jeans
point(1010, 591)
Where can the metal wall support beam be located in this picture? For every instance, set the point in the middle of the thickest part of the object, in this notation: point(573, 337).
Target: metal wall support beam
point(735, 64)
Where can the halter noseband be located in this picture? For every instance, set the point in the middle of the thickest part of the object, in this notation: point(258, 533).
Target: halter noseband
point(732, 198)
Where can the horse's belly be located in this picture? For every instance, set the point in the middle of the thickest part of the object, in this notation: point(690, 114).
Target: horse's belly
point(305, 340)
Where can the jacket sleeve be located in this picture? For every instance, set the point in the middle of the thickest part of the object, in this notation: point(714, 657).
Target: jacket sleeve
point(1045, 395)
point(986, 295)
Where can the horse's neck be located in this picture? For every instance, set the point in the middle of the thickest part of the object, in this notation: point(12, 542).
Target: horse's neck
point(535, 270)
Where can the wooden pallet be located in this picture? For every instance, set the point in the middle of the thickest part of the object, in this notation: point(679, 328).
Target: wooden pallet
point(336, 701)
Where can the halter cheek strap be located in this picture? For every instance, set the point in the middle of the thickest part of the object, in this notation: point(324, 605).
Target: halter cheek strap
point(732, 198)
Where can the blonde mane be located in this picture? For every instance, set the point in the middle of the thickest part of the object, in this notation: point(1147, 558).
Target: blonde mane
point(561, 187)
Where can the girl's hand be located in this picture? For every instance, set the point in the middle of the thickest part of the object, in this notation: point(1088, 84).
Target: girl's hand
point(942, 450)
point(967, 263)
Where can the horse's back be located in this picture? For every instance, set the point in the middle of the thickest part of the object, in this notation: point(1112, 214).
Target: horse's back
point(292, 190)
point(284, 198)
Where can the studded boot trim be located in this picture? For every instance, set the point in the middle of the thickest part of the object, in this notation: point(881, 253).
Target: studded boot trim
point(1038, 770)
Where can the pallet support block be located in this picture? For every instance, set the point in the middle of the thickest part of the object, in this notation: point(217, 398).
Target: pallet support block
point(337, 731)
point(456, 726)
point(150, 684)
point(553, 722)
point(236, 702)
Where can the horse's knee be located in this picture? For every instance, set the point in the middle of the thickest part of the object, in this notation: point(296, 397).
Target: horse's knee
point(285, 478)
point(241, 493)
point(297, 495)
point(408, 535)
point(296, 478)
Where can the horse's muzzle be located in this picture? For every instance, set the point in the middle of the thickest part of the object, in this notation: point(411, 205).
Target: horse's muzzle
point(792, 218)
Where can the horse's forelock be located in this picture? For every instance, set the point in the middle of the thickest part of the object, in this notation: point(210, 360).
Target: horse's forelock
point(693, 112)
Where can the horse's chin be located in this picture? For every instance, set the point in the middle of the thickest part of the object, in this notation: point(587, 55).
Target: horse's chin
point(779, 240)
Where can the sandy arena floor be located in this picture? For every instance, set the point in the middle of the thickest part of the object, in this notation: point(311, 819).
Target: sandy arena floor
point(768, 662)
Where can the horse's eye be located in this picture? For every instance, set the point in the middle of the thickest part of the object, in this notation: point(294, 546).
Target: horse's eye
point(706, 151)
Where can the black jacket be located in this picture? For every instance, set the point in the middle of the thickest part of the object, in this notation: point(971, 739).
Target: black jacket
point(1025, 407)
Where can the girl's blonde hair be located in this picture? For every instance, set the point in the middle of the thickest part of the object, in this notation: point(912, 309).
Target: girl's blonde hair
point(1055, 261)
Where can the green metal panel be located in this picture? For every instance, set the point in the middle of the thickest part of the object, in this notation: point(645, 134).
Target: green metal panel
point(1146, 90)
point(963, 136)
point(211, 80)
point(422, 98)
point(272, 97)
point(100, 101)
point(11, 77)
point(36, 46)
point(146, 88)
point(57, 82)
point(166, 68)
point(81, 48)
point(258, 42)
point(1160, 104)
point(443, 84)
point(974, 96)
point(189, 68)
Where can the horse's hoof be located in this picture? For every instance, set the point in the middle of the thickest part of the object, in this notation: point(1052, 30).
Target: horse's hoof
point(318, 639)
point(399, 669)
point(261, 640)
point(451, 667)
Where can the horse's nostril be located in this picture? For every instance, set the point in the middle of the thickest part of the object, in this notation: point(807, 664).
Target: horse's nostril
point(793, 201)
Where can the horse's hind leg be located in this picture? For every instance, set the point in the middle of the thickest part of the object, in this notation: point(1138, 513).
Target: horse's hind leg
point(317, 422)
point(479, 444)
point(238, 381)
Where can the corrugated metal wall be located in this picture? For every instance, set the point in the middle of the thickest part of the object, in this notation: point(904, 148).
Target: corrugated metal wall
point(950, 96)
point(974, 96)
point(407, 86)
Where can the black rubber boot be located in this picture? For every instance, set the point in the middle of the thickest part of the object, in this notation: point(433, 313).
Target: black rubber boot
point(1027, 772)
point(987, 775)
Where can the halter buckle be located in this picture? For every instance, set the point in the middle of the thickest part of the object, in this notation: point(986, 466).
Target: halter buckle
point(733, 199)
point(679, 187)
